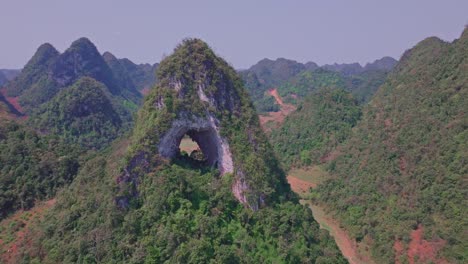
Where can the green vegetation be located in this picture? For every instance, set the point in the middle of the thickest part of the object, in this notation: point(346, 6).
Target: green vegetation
point(83, 114)
point(32, 167)
point(48, 72)
point(322, 122)
point(306, 82)
point(34, 73)
point(238, 120)
point(129, 74)
point(406, 162)
point(183, 215)
point(295, 81)
point(143, 209)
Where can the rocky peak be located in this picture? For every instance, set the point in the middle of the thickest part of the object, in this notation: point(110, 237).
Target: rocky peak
point(385, 64)
point(44, 53)
point(201, 96)
point(83, 59)
point(108, 57)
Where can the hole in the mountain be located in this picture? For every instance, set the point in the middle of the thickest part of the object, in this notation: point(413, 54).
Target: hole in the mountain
point(199, 147)
point(190, 148)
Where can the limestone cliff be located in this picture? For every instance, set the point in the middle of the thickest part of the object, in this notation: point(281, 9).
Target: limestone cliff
point(201, 96)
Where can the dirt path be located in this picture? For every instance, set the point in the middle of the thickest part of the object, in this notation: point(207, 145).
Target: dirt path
point(348, 247)
point(274, 93)
point(300, 183)
point(274, 119)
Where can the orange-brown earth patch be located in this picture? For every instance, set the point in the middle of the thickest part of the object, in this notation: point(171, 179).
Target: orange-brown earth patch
point(420, 250)
point(272, 120)
point(355, 253)
point(15, 231)
point(12, 100)
point(300, 186)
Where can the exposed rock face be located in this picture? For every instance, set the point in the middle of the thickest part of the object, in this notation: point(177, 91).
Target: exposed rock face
point(201, 96)
point(205, 132)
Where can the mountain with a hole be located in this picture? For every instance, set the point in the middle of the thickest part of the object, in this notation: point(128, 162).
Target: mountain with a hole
point(144, 200)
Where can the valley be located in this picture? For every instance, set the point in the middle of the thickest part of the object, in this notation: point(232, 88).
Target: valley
point(302, 180)
point(187, 159)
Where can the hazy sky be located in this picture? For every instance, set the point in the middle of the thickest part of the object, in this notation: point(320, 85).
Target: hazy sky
point(241, 31)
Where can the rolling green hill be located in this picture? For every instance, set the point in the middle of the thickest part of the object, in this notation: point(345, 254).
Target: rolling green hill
point(321, 122)
point(405, 165)
point(294, 80)
point(84, 113)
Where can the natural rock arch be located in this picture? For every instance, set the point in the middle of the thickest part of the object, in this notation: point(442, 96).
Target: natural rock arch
point(203, 131)
point(201, 95)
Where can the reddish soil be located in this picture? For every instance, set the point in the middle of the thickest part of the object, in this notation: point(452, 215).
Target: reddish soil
point(276, 118)
point(274, 93)
point(12, 100)
point(351, 250)
point(25, 220)
point(399, 248)
point(300, 186)
point(420, 250)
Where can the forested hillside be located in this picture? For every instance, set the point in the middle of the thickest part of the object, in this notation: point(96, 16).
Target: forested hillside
point(69, 114)
point(84, 113)
point(32, 167)
point(295, 80)
point(139, 207)
point(320, 124)
point(129, 74)
point(48, 72)
point(404, 168)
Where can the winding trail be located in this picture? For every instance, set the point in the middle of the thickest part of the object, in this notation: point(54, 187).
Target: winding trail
point(274, 119)
point(301, 181)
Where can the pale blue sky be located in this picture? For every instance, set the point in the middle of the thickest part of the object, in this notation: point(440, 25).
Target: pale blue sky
point(241, 31)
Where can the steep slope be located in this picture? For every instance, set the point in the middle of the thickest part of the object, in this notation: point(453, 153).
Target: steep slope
point(157, 206)
point(321, 122)
point(83, 113)
point(306, 82)
point(384, 64)
point(35, 71)
point(294, 80)
point(140, 76)
point(7, 109)
point(268, 74)
point(196, 85)
point(48, 72)
point(32, 167)
point(404, 169)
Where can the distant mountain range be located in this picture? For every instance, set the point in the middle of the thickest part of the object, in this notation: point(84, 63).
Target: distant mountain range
point(294, 80)
point(86, 97)
point(48, 72)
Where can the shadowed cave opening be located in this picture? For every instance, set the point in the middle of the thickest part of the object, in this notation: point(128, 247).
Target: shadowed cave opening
point(199, 148)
